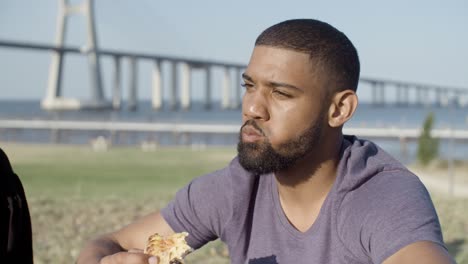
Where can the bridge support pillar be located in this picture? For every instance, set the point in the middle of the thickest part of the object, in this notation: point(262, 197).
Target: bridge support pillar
point(208, 88)
point(54, 87)
point(378, 93)
point(438, 96)
point(237, 90)
point(445, 99)
point(53, 98)
point(156, 84)
point(226, 97)
point(185, 86)
point(132, 94)
point(93, 55)
point(407, 98)
point(382, 94)
point(426, 97)
point(174, 83)
point(418, 96)
point(461, 99)
point(374, 93)
point(116, 94)
point(398, 95)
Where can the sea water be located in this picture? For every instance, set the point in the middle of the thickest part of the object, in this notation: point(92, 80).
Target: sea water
point(366, 116)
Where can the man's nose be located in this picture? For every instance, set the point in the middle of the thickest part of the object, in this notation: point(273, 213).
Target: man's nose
point(254, 106)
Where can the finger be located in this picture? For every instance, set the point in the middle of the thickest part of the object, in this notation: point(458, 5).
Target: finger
point(135, 250)
point(125, 258)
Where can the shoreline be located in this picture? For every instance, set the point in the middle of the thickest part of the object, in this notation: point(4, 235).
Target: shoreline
point(451, 183)
point(436, 176)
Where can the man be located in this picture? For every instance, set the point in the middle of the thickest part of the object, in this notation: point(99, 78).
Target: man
point(15, 222)
point(299, 191)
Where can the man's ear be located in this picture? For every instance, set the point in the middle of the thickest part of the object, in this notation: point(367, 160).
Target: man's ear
point(342, 107)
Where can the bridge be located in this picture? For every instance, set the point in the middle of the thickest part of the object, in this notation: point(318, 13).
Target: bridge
point(180, 74)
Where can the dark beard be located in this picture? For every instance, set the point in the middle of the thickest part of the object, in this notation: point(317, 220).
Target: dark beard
point(261, 158)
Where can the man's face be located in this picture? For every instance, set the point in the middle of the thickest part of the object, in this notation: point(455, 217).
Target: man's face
point(283, 110)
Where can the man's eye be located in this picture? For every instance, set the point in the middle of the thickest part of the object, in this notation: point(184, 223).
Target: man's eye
point(247, 85)
point(281, 94)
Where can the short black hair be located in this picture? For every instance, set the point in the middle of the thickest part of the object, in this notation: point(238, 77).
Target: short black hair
point(326, 45)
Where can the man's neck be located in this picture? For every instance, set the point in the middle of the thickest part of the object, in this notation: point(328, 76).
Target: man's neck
point(311, 186)
point(303, 188)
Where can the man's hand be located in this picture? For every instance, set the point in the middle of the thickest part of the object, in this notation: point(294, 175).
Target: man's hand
point(112, 248)
point(133, 256)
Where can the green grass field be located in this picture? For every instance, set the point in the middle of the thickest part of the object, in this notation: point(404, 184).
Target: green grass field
point(75, 193)
point(59, 171)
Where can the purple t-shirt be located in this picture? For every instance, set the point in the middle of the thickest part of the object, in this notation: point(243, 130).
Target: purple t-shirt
point(375, 207)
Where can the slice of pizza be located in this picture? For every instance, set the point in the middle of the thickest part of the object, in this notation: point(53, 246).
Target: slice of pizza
point(170, 249)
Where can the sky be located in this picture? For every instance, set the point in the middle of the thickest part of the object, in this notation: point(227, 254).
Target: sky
point(416, 41)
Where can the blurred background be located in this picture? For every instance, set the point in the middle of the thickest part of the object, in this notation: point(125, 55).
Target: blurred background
point(107, 99)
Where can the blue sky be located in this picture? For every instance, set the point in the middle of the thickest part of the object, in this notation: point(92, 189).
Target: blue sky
point(417, 41)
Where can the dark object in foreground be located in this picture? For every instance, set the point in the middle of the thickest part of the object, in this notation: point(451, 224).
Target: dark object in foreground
point(15, 221)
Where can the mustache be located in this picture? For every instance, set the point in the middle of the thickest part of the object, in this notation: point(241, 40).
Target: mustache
point(254, 124)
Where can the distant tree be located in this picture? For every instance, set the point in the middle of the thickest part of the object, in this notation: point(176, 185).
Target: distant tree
point(428, 146)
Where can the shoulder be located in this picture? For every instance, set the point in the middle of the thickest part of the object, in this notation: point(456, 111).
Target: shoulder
point(206, 205)
point(218, 187)
point(16, 218)
point(232, 178)
point(225, 190)
point(382, 206)
point(5, 165)
point(385, 190)
point(370, 178)
point(389, 211)
point(11, 182)
point(364, 167)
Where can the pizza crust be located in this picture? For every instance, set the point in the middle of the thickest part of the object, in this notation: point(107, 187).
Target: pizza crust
point(170, 249)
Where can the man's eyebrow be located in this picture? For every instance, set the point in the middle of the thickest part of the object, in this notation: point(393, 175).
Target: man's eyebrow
point(247, 77)
point(286, 85)
point(273, 84)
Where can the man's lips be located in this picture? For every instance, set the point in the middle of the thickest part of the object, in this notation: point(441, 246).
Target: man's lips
point(250, 134)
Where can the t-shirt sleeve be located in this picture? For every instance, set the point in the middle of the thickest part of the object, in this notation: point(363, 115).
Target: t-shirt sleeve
point(390, 212)
point(201, 208)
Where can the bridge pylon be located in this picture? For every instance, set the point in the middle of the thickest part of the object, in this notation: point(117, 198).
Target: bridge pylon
point(54, 99)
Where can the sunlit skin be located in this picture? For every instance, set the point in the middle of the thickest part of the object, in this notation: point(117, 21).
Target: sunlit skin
point(285, 96)
point(280, 94)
